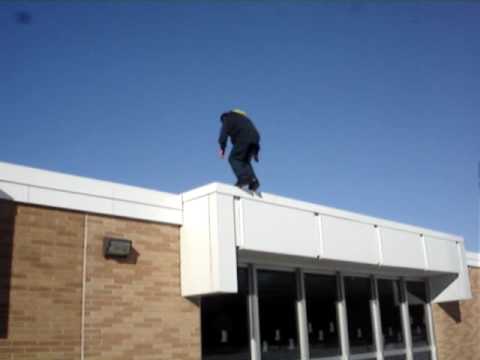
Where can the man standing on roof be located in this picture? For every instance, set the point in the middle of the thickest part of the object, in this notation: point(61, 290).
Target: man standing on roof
point(246, 145)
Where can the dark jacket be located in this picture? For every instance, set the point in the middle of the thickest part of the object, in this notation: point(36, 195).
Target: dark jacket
point(240, 129)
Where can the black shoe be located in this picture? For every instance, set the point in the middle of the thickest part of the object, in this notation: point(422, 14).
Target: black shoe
point(242, 184)
point(254, 185)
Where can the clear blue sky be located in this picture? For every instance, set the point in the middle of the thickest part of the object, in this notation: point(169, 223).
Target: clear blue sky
point(371, 107)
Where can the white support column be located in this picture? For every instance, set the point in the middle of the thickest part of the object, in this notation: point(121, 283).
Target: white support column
point(302, 317)
point(430, 331)
point(407, 335)
point(253, 314)
point(376, 318)
point(342, 317)
point(429, 324)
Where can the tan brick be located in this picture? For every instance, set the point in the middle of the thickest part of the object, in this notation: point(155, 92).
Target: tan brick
point(128, 311)
point(457, 325)
point(133, 310)
point(44, 290)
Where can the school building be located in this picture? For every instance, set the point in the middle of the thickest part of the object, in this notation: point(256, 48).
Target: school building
point(93, 270)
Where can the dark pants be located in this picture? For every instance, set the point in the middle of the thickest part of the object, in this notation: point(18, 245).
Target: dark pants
point(240, 158)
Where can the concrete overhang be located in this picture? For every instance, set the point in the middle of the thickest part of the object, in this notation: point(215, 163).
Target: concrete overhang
point(224, 226)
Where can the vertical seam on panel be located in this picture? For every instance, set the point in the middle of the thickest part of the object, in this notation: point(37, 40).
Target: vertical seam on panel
point(235, 222)
point(238, 222)
point(320, 234)
point(241, 226)
point(210, 265)
point(379, 245)
point(425, 253)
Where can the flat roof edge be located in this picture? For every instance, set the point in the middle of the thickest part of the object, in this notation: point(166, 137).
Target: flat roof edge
point(47, 188)
point(231, 190)
point(42, 187)
point(473, 259)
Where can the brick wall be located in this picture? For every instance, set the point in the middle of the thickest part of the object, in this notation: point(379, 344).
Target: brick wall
point(457, 325)
point(41, 256)
point(7, 218)
point(134, 309)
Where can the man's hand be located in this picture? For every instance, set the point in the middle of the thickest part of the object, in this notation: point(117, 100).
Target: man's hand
point(221, 154)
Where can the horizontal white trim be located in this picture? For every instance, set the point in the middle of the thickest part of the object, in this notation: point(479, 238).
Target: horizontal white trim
point(48, 188)
point(421, 349)
point(473, 259)
point(362, 356)
point(311, 207)
point(395, 352)
point(40, 187)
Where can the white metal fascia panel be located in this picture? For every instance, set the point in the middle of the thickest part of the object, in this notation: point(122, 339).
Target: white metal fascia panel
point(320, 209)
point(66, 200)
point(473, 259)
point(146, 196)
point(278, 229)
point(464, 275)
point(47, 188)
point(444, 288)
point(222, 244)
point(13, 192)
point(87, 186)
point(146, 212)
point(52, 180)
point(347, 240)
point(200, 192)
point(452, 287)
point(402, 249)
point(442, 255)
point(195, 255)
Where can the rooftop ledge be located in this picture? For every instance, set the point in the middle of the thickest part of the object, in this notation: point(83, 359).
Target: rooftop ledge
point(47, 188)
point(220, 188)
point(223, 226)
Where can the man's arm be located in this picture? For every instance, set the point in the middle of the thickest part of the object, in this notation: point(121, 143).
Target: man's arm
point(222, 139)
point(256, 152)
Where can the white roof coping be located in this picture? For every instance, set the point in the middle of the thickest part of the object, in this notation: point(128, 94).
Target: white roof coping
point(473, 259)
point(48, 188)
point(40, 187)
point(311, 207)
point(224, 225)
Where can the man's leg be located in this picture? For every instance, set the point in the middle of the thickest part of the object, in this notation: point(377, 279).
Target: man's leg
point(249, 169)
point(253, 183)
point(240, 166)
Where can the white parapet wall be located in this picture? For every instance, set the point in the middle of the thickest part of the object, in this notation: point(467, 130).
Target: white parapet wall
point(221, 221)
point(47, 188)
